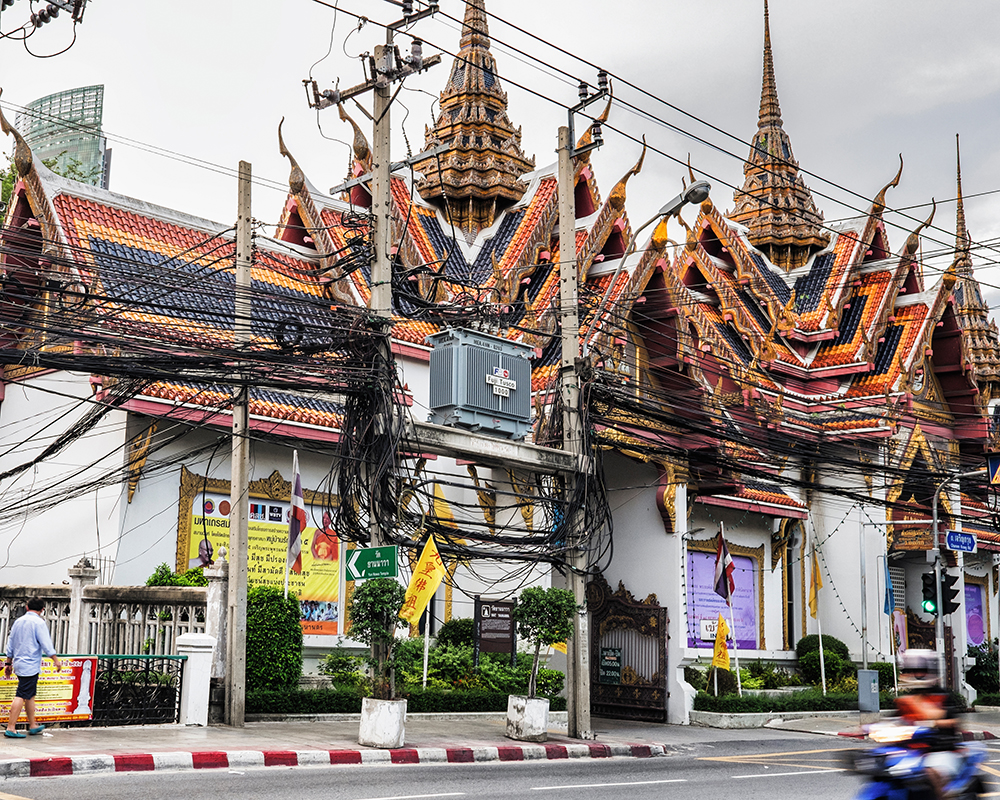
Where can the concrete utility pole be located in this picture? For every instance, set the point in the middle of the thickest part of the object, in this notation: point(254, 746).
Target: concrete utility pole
point(387, 68)
point(578, 652)
point(236, 630)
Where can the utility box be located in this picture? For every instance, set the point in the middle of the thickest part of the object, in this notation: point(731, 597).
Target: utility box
point(481, 383)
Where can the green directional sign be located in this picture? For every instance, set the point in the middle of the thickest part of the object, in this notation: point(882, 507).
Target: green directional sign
point(372, 562)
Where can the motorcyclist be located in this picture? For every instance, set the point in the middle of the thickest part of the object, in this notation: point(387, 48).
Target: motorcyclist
point(927, 703)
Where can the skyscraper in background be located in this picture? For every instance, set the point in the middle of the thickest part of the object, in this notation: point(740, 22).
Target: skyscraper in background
point(66, 127)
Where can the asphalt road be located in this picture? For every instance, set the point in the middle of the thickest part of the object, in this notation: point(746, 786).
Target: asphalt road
point(770, 768)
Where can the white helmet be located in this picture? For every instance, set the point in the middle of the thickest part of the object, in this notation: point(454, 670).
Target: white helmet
point(918, 668)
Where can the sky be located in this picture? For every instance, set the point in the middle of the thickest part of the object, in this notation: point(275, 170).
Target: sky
point(193, 87)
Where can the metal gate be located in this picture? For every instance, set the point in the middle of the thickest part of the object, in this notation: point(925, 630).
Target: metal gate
point(628, 654)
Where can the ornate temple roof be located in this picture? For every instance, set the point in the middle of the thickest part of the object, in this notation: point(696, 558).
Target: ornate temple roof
point(481, 171)
point(774, 204)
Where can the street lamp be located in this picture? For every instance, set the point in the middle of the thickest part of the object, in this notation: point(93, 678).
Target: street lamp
point(697, 192)
point(939, 620)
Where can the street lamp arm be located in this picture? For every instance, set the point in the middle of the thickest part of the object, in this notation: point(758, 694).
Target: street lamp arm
point(697, 192)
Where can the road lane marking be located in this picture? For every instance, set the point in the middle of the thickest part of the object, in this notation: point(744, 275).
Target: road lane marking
point(418, 796)
point(5, 796)
point(785, 774)
point(602, 785)
point(776, 755)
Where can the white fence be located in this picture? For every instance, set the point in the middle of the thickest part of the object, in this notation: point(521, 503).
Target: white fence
point(85, 618)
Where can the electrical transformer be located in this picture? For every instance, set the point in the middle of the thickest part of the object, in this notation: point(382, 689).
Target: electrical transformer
point(480, 382)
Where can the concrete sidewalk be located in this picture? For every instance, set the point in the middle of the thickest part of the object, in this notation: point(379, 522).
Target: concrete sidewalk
point(332, 739)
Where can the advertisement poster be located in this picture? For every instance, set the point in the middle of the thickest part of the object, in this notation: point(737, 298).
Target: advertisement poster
point(705, 604)
point(317, 586)
point(62, 696)
point(975, 620)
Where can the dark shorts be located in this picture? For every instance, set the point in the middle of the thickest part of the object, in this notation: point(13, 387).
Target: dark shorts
point(27, 686)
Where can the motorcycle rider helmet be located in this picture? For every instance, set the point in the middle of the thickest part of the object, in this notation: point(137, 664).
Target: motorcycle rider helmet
point(918, 668)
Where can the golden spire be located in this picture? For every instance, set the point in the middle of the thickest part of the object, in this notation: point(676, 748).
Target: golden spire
point(479, 173)
point(979, 332)
point(774, 203)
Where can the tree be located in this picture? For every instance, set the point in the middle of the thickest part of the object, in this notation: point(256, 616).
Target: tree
point(544, 616)
point(374, 615)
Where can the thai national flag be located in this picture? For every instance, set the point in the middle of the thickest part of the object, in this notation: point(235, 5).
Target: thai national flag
point(297, 521)
point(724, 569)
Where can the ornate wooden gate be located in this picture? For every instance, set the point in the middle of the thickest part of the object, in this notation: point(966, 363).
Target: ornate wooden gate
point(628, 654)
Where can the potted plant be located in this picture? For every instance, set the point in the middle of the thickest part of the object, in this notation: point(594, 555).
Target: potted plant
point(543, 617)
point(374, 615)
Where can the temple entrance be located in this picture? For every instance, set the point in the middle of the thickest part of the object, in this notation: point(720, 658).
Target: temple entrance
point(628, 654)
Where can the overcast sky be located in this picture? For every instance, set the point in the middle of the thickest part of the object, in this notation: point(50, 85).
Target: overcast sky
point(194, 86)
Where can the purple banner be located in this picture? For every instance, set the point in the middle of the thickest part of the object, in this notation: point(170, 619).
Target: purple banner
point(975, 619)
point(704, 604)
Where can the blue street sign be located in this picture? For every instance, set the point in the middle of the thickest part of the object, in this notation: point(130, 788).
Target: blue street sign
point(964, 542)
point(993, 467)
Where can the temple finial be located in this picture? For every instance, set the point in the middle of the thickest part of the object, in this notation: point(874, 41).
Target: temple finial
point(962, 244)
point(475, 31)
point(770, 110)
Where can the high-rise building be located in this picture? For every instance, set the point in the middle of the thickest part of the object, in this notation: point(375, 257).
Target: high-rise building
point(64, 130)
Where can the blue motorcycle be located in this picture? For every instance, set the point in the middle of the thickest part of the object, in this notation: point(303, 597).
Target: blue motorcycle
point(896, 767)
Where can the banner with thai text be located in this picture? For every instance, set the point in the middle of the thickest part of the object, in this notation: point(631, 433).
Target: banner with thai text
point(63, 695)
point(317, 586)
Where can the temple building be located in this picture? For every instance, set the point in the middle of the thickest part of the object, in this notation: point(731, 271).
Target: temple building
point(799, 387)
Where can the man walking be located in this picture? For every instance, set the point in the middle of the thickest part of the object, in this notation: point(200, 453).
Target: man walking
point(29, 639)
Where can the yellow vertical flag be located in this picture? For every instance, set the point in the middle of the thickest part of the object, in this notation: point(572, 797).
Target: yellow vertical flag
point(720, 655)
point(426, 578)
point(814, 587)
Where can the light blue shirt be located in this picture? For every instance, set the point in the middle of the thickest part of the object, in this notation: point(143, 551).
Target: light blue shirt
point(28, 641)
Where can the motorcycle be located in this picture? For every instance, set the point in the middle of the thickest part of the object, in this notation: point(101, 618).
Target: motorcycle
point(896, 767)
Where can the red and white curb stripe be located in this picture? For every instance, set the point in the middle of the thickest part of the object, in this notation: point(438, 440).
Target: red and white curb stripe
point(238, 759)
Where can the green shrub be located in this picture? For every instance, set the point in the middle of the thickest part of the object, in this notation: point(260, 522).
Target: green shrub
point(164, 576)
point(886, 675)
point(274, 639)
point(343, 668)
point(374, 615)
point(461, 631)
point(726, 681)
point(544, 617)
point(696, 678)
point(342, 701)
point(983, 676)
point(836, 668)
point(989, 699)
point(831, 644)
point(303, 701)
point(812, 700)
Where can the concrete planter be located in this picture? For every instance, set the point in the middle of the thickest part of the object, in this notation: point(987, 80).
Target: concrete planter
point(383, 723)
point(527, 718)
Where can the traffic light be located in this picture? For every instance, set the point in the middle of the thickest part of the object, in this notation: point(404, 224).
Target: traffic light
point(949, 593)
point(929, 604)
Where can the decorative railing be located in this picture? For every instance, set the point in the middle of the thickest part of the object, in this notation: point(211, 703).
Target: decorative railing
point(140, 620)
point(137, 690)
point(58, 611)
point(114, 620)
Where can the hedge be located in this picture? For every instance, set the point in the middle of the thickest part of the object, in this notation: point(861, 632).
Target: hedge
point(831, 644)
point(793, 701)
point(346, 701)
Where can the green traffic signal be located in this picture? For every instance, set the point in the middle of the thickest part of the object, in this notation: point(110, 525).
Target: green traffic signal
point(929, 603)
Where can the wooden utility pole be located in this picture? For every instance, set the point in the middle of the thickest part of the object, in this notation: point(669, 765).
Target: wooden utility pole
point(236, 631)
